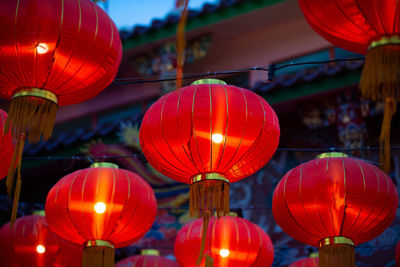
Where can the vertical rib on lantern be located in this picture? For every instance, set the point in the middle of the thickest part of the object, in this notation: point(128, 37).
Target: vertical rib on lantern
point(366, 27)
point(356, 202)
point(101, 207)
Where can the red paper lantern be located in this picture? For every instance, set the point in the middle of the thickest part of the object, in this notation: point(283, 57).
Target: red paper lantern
point(149, 258)
point(31, 243)
point(208, 135)
point(6, 146)
point(367, 27)
point(53, 53)
point(231, 241)
point(101, 207)
point(335, 202)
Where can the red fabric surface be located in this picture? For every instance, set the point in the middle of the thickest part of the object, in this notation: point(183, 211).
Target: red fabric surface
point(353, 24)
point(146, 261)
point(247, 243)
point(330, 197)
point(6, 146)
point(18, 245)
point(308, 262)
point(130, 206)
point(176, 132)
point(83, 48)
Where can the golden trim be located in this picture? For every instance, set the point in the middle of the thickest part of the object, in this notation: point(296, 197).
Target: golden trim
point(37, 93)
point(153, 252)
point(98, 243)
point(336, 240)
point(208, 176)
point(385, 41)
point(208, 81)
point(104, 165)
point(331, 155)
point(233, 214)
point(38, 212)
point(314, 255)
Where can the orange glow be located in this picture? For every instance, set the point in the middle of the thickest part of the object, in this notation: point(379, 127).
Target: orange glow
point(42, 48)
point(40, 249)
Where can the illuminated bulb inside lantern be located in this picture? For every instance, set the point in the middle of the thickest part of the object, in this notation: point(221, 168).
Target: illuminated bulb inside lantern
point(224, 253)
point(40, 249)
point(217, 138)
point(42, 48)
point(100, 207)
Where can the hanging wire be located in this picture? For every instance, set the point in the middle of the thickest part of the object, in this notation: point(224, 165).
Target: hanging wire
point(271, 68)
point(138, 155)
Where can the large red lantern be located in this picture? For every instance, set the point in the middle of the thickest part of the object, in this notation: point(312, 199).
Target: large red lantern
point(367, 27)
point(148, 258)
point(208, 135)
point(335, 202)
point(30, 243)
point(101, 208)
point(53, 53)
point(6, 146)
point(231, 241)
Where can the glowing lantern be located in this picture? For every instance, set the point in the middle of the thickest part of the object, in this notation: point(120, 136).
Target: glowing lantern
point(335, 202)
point(209, 135)
point(367, 27)
point(101, 207)
point(54, 53)
point(231, 241)
point(148, 258)
point(31, 243)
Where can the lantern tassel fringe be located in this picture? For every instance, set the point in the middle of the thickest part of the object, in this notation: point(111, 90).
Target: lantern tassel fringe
point(98, 256)
point(334, 255)
point(209, 261)
point(384, 139)
point(380, 81)
point(15, 166)
point(32, 115)
point(209, 195)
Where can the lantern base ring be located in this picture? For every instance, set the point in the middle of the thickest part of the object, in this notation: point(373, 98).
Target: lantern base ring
point(36, 92)
point(208, 176)
point(98, 243)
point(336, 240)
point(392, 40)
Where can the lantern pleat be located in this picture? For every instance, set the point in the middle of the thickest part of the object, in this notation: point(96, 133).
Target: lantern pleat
point(366, 27)
point(356, 202)
point(129, 210)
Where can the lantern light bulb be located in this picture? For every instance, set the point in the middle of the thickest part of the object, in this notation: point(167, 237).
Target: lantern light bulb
point(224, 253)
point(100, 207)
point(40, 249)
point(42, 48)
point(217, 138)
